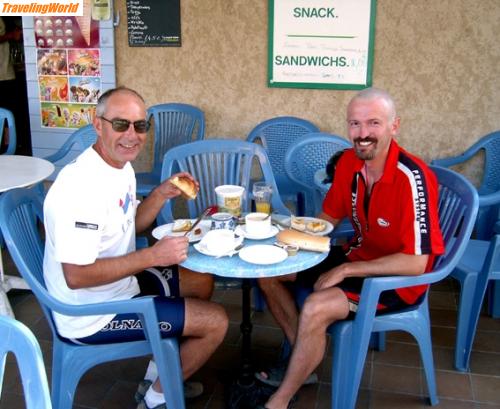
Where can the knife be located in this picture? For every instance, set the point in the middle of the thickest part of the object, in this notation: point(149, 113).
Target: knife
point(208, 211)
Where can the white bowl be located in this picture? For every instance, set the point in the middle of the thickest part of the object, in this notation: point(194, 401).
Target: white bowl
point(257, 224)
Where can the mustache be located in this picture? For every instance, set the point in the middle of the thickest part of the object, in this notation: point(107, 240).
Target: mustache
point(367, 139)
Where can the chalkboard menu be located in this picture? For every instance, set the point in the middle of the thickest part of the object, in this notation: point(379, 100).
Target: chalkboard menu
point(154, 23)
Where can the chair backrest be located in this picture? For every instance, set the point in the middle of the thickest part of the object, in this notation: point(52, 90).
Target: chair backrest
point(21, 216)
point(7, 120)
point(458, 206)
point(15, 337)
point(217, 162)
point(310, 153)
point(83, 138)
point(276, 135)
point(174, 124)
point(490, 144)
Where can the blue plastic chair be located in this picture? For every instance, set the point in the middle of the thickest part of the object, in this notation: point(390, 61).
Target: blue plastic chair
point(479, 266)
point(217, 162)
point(174, 124)
point(276, 135)
point(7, 118)
point(458, 205)
point(83, 138)
point(489, 199)
point(307, 155)
point(17, 338)
point(213, 163)
point(20, 215)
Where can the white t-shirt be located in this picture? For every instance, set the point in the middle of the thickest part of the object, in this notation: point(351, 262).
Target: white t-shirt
point(89, 214)
point(6, 67)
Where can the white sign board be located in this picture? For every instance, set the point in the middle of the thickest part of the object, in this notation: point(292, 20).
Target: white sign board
point(321, 43)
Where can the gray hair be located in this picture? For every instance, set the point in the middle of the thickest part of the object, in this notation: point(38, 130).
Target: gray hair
point(377, 93)
point(102, 102)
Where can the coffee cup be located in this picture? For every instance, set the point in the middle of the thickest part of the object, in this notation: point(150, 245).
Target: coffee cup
point(230, 198)
point(257, 224)
point(223, 220)
point(220, 241)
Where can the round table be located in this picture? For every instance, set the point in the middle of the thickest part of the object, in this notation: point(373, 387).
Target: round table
point(18, 171)
point(22, 171)
point(234, 267)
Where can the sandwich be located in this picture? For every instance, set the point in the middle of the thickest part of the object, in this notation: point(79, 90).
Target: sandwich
point(304, 241)
point(186, 186)
point(316, 226)
point(298, 224)
point(181, 225)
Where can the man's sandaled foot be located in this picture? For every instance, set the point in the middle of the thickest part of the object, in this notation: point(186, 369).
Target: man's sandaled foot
point(274, 376)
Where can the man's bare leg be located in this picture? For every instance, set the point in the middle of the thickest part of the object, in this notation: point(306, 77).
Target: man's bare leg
point(281, 303)
point(204, 329)
point(195, 285)
point(320, 310)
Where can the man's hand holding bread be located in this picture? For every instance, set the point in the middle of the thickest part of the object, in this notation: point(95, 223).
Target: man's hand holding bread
point(180, 184)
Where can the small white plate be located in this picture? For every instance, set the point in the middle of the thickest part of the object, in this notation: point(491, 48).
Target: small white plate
point(328, 229)
point(201, 248)
point(263, 254)
point(166, 230)
point(241, 230)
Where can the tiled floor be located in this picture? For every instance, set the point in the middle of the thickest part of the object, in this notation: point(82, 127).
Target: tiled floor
point(393, 379)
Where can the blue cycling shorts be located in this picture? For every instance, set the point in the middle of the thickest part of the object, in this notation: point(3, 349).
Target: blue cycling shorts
point(163, 283)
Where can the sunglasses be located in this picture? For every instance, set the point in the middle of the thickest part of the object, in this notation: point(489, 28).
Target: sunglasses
point(121, 125)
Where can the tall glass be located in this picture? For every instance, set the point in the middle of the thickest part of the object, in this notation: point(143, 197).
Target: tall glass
point(262, 193)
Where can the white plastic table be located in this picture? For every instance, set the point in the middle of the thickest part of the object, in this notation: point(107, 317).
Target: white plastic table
point(18, 171)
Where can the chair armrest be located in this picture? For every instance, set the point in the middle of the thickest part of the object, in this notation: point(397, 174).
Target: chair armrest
point(489, 199)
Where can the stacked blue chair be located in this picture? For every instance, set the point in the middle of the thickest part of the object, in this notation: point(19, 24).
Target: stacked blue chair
point(489, 213)
point(174, 124)
point(458, 205)
point(276, 135)
point(7, 121)
point(20, 215)
point(17, 338)
point(307, 155)
point(478, 267)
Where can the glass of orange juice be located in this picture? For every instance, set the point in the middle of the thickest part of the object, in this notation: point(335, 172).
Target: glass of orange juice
point(262, 195)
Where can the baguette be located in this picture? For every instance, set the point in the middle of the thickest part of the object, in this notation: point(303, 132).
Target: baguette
point(304, 241)
point(186, 186)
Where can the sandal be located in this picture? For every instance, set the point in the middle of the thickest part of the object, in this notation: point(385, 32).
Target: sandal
point(274, 376)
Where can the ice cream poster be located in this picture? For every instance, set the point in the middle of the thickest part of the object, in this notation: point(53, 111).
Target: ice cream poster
point(84, 89)
point(59, 115)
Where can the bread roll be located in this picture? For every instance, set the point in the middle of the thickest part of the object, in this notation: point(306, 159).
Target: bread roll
point(304, 241)
point(186, 186)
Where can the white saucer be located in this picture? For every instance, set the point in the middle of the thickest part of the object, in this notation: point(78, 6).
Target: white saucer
point(263, 254)
point(166, 230)
point(241, 230)
point(201, 248)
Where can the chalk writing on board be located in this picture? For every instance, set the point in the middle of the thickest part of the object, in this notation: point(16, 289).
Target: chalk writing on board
point(153, 23)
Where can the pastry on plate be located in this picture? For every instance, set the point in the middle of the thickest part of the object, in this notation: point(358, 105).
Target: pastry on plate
point(298, 223)
point(181, 225)
point(316, 226)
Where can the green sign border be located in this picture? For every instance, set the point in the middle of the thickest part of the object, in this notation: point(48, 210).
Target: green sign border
point(319, 85)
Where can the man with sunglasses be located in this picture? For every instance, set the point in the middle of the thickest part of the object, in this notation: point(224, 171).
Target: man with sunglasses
point(91, 219)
